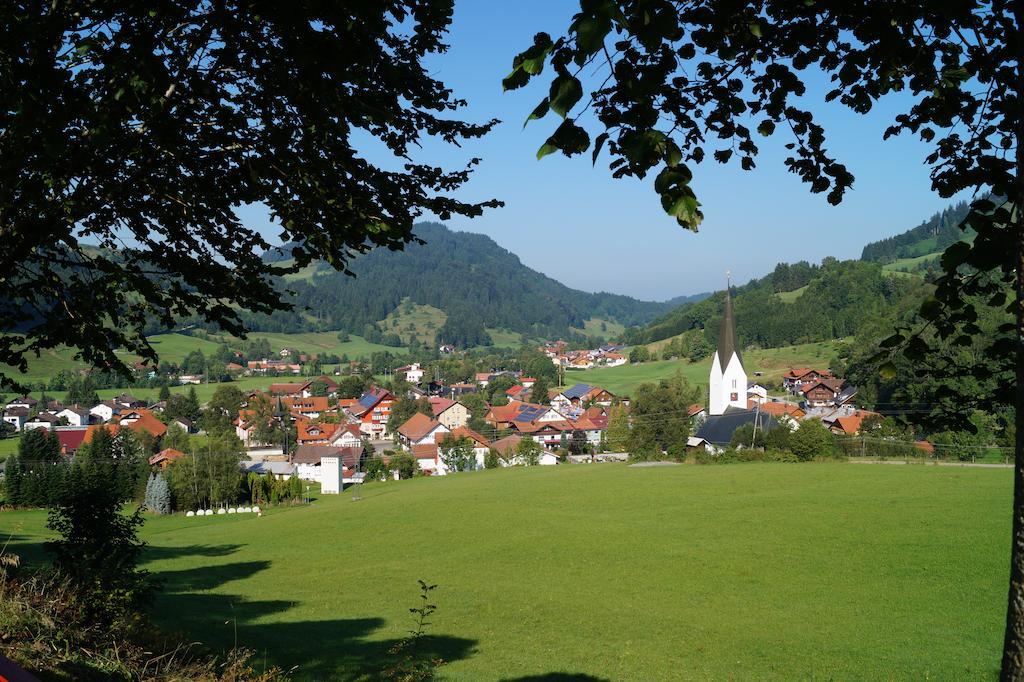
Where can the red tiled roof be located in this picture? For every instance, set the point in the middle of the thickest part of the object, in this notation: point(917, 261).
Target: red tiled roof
point(425, 451)
point(147, 421)
point(779, 409)
point(311, 404)
point(165, 454)
point(439, 405)
point(505, 444)
point(285, 389)
point(694, 409)
point(418, 426)
point(312, 431)
point(71, 440)
point(466, 432)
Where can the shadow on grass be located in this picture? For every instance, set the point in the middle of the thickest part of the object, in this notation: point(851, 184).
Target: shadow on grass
point(339, 649)
point(556, 677)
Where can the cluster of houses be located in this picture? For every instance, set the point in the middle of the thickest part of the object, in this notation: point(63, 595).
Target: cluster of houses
point(605, 356)
point(76, 424)
point(329, 428)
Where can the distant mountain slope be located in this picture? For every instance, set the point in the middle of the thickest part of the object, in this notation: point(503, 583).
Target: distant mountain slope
point(931, 236)
point(468, 276)
point(802, 302)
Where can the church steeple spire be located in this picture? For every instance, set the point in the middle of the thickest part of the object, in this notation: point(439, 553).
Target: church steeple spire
point(728, 379)
point(727, 344)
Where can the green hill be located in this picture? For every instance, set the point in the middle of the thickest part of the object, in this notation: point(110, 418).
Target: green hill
point(473, 283)
point(931, 236)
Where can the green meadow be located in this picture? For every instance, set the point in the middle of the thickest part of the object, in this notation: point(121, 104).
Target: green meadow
point(759, 571)
point(772, 362)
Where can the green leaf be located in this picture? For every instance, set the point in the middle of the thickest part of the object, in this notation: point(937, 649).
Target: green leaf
point(517, 79)
point(545, 149)
point(590, 35)
point(767, 127)
point(565, 92)
point(755, 29)
point(931, 308)
point(540, 111)
point(568, 137)
point(892, 341)
point(598, 143)
point(887, 371)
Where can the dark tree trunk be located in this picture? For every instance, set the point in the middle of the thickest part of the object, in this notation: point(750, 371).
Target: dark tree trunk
point(1013, 641)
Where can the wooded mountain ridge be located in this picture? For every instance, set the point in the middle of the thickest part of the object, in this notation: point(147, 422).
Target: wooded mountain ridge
point(477, 283)
point(803, 302)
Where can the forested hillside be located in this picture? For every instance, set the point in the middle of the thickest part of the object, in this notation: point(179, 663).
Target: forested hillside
point(837, 297)
point(802, 302)
point(468, 276)
point(931, 236)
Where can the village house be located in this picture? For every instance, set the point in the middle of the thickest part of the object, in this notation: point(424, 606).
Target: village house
point(347, 435)
point(480, 445)
point(26, 402)
point(822, 392)
point(43, 420)
point(504, 416)
point(451, 413)
point(306, 390)
point(165, 458)
point(106, 410)
point(372, 410)
point(788, 414)
point(420, 429)
point(70, 439)
point(128, 401)
point(306, 459)
point(412, 373)
point(279, 470)
point(75, 416)
point(307, 407)
point(16, 417)
point(313, 432)
point(142, 420)
point(576, 398)
point(794, 379)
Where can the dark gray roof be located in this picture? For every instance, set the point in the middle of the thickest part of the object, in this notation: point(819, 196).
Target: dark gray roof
point(727, 343)
point(718, 429)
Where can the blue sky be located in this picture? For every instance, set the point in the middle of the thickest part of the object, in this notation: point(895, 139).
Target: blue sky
point(575, 223)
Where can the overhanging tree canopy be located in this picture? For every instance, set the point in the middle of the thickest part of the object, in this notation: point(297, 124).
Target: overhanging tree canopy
point(142, 128)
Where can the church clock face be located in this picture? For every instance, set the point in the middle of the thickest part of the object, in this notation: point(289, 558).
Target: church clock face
point(734, 397)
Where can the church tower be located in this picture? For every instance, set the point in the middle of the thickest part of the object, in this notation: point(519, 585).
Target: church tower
point(728, 378)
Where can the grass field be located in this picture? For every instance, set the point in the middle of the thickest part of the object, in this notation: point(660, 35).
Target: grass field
point(909, 266)
point(8, 446)
point(762, 571)
point(594, 325)
point(790, 296)
point(503, 338)
point(171, 347)
point(321, 342)
point(773, 362)
point(414, 322)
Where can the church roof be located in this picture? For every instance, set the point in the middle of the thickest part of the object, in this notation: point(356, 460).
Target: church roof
point(718, 429)
point(727, 344)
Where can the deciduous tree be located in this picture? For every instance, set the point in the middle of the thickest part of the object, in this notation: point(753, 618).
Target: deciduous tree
point(143, 128)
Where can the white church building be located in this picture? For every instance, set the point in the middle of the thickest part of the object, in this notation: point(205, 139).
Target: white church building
point(728, 383)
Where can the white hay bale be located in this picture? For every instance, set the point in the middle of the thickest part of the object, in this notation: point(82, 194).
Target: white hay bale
point(190, 513)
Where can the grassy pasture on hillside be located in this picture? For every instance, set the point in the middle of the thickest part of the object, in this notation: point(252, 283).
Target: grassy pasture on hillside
point(171, 348)
point(760, 571)
point(774, 362)
point(414, 322)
